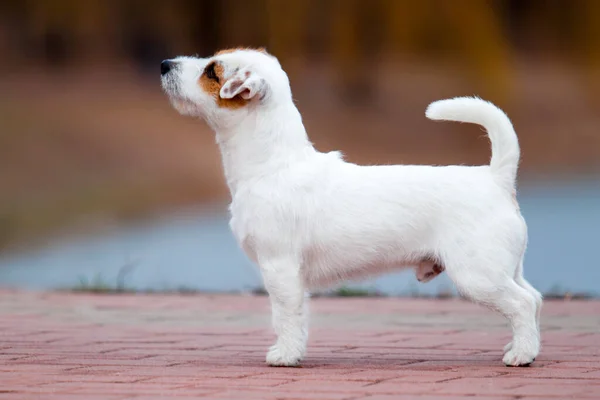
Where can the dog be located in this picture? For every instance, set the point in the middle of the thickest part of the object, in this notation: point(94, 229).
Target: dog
point(311, 220)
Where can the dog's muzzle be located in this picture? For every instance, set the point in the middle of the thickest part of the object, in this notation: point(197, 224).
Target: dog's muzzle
point(166, 66)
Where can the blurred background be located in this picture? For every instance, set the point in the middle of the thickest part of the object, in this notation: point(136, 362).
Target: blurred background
point(104, 187)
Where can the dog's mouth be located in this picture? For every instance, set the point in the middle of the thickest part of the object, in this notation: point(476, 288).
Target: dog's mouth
point(183, 106)
point(170, 85)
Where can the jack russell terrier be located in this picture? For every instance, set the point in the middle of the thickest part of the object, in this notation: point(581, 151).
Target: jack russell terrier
point(311, 220)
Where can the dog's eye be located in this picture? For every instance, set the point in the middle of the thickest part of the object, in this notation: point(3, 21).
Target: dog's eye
point(210, 72)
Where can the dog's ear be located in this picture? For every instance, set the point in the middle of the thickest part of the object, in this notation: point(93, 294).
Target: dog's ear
point(246, 84)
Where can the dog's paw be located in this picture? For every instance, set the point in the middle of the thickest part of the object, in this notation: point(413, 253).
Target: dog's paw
point(516, 357)
point(507, 348)
point(284, 356)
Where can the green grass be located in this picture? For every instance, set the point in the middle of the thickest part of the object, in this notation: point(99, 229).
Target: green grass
point(346, 291)
point(100, 285)
point(557, 293)
point(96, 285)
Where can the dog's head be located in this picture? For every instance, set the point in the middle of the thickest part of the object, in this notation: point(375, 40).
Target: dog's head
point(230, 83)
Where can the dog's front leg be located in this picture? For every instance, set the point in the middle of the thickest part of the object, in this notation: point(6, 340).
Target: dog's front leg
point(284, 284)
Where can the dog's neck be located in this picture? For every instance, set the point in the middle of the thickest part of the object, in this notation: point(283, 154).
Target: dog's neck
point(262, 143)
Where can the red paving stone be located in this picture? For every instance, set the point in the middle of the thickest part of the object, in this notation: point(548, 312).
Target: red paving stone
point(118, 347)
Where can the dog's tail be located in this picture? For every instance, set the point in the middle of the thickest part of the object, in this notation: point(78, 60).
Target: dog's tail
point(505, 145)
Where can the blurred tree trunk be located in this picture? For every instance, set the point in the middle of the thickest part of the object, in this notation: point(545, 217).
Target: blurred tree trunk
point(287, 27)
point(404, 23)
point(352, 70)
point(49, 28)
point(206, 17)
point(242, 23)
point(588, 36)
point(475, 30)
point(173, 21)
point(95, 36)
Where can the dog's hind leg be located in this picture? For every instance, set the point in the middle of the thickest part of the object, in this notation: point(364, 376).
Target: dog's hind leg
point(284, 284)
point(521, 281)
point(483, 281)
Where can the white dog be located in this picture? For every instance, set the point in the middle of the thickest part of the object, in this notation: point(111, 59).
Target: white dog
point(310, 219)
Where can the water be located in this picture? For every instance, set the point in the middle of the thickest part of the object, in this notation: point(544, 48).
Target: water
point(198, 252)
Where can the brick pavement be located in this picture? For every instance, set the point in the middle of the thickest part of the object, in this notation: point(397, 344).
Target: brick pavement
point(80, 346)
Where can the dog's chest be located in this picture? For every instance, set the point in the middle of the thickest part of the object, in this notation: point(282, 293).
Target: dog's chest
point(257, 227)
point(243, 235)
point(274, 223)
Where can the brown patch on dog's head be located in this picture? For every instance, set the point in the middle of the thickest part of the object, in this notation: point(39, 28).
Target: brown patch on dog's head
point(212, 80)
point(225, 51)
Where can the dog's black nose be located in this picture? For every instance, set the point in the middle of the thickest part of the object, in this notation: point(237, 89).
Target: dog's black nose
point(166, 66)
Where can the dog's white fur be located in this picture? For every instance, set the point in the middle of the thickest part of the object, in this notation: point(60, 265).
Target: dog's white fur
point(311, 219)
